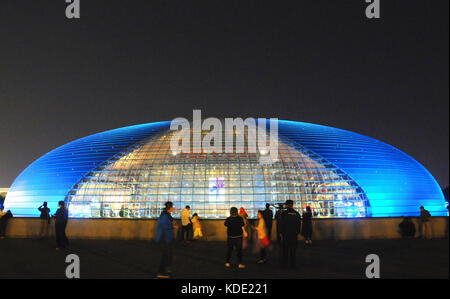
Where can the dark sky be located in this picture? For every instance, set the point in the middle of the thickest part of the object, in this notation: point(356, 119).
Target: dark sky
point(130, 62)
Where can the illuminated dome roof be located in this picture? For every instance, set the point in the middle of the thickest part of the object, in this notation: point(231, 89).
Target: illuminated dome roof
point(131, 172)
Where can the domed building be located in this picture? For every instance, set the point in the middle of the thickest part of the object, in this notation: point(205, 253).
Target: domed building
point(130, 172)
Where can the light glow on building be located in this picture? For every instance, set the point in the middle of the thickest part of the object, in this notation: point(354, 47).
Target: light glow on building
point(130, 172)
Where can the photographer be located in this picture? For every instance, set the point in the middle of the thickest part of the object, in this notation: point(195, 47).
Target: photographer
point(45, 220)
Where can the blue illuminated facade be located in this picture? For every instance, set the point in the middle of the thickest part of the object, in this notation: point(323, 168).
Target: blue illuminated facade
point(130, 172)
point(52, 176)
point(395, 183)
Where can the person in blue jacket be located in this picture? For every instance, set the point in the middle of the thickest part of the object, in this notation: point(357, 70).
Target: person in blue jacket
point(164, 236)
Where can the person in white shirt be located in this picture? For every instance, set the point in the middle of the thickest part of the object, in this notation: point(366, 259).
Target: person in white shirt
point(186, 224)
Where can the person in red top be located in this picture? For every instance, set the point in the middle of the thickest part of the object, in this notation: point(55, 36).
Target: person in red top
point(244, 216)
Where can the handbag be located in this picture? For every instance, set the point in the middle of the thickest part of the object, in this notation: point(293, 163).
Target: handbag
point(266, 241)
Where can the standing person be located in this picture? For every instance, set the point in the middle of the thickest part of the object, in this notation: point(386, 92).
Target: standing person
point(164, 236)
point(262, 238)
point(251, 223)
point(3, 221)
point(244, 216)
point(197, 226)
point(186, 225)
point(235, 230)
point(307, 226)
point(268, 220)
point(289, 228)
point(61, 218)
point(278, 219)
point(45, 220)
point(425, 225)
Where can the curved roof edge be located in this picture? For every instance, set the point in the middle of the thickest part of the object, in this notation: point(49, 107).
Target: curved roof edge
point(50, 177)
point(394, 182)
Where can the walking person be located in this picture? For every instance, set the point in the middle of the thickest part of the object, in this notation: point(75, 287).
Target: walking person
point(61, 219)
point(235, 231)
point(244, 216)
point(197, 226)
point(268, 220)
point(425, 225)
point(45, 220)
point(186, 224)
point(307, 226)
point(290, 222)
point(262, 240)
point(164, 236)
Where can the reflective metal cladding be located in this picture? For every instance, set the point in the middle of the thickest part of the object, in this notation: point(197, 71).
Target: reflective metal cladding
point(131, 172)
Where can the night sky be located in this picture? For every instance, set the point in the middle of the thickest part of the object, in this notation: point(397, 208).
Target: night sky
point(131, 62)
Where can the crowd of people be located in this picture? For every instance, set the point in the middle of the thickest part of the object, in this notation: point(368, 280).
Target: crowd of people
point(61, 218)
point(241, 230)
point(240, 233)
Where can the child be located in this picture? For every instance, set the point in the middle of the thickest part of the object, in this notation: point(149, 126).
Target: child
point(197, 226)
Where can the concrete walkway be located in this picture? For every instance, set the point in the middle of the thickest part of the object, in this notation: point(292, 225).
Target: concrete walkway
point(31, 258)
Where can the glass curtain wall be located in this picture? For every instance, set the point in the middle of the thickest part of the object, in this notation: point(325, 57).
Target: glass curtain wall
point(138, 181)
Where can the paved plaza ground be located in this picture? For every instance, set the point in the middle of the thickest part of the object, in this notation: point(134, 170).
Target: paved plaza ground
point(31, 258)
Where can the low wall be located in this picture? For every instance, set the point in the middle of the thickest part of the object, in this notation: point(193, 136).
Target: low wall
point(214, 230)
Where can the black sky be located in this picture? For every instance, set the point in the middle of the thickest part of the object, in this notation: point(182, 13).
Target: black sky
point(130, 62)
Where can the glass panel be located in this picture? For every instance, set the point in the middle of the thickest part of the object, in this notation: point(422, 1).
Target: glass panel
point(137, 182)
